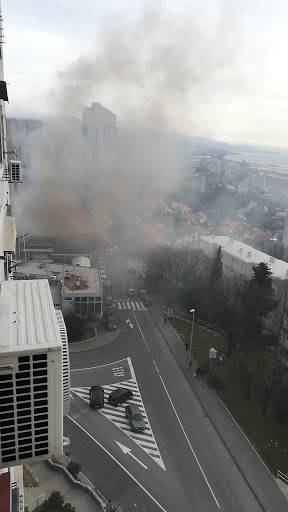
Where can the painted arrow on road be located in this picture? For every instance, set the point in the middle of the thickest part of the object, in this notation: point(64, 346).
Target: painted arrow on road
point(129, 323)
point(128, 451)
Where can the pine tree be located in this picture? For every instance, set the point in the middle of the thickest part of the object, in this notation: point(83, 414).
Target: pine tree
point(257, 303)
point(217, 268)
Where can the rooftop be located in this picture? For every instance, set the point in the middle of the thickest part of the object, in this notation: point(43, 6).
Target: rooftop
point(248, 254)
point(75, 279)
point(27, 316)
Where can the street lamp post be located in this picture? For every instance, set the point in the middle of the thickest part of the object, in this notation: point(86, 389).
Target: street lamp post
point(192, 332)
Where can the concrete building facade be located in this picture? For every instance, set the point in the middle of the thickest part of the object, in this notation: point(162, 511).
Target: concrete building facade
point(99, 131)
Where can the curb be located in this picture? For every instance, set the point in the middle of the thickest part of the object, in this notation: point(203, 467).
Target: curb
point(86, 345)
point(91, 490)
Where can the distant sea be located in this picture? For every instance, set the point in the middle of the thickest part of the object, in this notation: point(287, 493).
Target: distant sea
point(262, 159)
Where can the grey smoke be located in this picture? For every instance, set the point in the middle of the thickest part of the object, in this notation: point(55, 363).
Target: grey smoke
point(148, 74)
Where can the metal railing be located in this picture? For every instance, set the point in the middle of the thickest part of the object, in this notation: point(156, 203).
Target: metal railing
point(177, 313)
point(282, 476)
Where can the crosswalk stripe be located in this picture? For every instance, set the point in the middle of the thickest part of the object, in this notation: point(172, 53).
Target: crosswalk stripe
point(150, 445)
point(152, 451)
point(144, 435)
point(121, 420)
point(134, 305)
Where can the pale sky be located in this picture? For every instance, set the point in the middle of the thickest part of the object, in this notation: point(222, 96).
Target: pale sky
point(217, 68)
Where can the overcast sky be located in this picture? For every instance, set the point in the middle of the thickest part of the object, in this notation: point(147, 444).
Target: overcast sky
point(221, 64)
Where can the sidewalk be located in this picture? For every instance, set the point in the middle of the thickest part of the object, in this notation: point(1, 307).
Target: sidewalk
point(252, 468)
point(49, 481)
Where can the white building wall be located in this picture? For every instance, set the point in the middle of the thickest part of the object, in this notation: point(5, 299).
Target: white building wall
point(99, 130)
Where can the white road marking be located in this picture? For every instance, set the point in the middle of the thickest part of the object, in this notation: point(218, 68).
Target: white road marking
point(139, 508)
point(128, 451)
point(119, 463)
point(117, 415)
point(134, 305)
point(176, 414)
point(103, 365)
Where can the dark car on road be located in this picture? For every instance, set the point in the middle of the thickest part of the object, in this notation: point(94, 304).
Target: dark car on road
point(135, 418)
point(119, 395)
point(131, 293)
point(111, 323)
point(96, 395)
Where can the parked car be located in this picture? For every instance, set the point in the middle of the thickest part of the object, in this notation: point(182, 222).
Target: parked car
point(109, 301)
point(148, 301)
point(135, 418)
point(111, 323)
point(119, 395)
point(143, 293)
point(131, 293)
point(96, 395)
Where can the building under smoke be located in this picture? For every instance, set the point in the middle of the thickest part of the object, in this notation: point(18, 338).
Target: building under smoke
point(20, 137)
point(99, 130)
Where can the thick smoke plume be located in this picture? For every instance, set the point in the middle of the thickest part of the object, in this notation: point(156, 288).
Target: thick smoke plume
point(152, 74)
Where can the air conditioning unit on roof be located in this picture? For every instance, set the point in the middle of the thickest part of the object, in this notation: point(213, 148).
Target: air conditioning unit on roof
point(15, 171)
point(34, 373)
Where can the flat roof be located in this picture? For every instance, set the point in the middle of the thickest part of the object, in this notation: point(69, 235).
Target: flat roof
point(27, 316)
point(76, 280)
point(248, 254)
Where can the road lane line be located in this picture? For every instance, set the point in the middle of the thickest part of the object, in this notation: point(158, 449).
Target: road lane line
point(101, 365)
point(176, 414)
point(119, 463)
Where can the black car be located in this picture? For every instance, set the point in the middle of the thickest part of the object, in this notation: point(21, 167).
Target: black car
point(131, 293)
point(111, 323)
point(96, 395)
point(119, 395)
point(135, 418)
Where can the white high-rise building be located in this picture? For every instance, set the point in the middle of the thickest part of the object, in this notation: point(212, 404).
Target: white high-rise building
point(34, 362)
point(99, 131)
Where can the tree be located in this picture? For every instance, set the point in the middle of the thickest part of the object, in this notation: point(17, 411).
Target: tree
point(55, 503)
point(74, 468)
point(257, 301)
point(217, 268)
point(74, 326)
point(268, 377)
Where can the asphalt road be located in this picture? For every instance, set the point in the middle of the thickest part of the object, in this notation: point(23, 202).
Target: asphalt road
point(199, 474)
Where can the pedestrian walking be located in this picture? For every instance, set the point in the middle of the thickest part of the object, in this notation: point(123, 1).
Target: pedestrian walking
point(186, 346)
point(190, 365)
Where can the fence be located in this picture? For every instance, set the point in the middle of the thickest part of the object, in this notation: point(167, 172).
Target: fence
point(177, 313)
point(282, 476)
point(98, 498)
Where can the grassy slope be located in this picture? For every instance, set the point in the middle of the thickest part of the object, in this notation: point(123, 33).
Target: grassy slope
point(267, 435)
